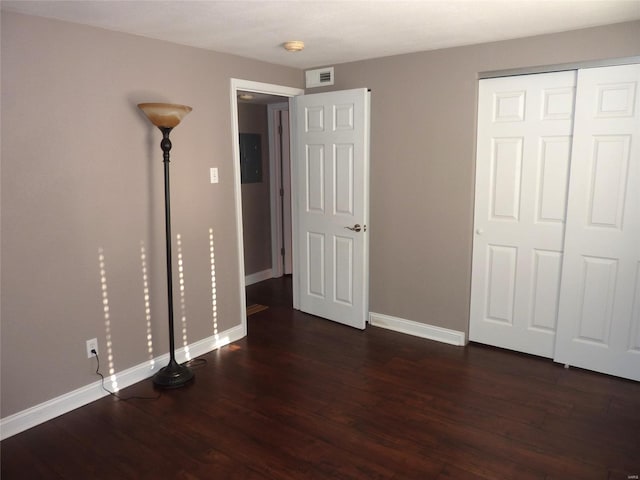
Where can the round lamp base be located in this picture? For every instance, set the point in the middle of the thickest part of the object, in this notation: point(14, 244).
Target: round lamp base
point(173, 375)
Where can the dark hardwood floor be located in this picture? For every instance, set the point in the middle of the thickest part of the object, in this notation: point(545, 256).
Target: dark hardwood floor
point(305, 398)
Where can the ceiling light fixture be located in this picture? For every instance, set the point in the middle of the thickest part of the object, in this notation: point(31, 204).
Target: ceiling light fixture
point(246, 96)
point(294, 46)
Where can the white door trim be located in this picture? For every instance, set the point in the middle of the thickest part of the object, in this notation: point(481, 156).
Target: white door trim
point(256, 87)
point(275, 184)
point(561, 67)
point(293, 147)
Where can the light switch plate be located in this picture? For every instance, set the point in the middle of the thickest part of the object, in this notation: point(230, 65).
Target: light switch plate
point(213, 174)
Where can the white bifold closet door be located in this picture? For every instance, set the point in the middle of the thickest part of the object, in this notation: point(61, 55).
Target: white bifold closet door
point(556, 258)
point(522, 172)
point(599, 313)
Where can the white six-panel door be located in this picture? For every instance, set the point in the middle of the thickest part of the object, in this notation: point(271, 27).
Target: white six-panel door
point(599, 312)
point(522, 174)
point(331, 172)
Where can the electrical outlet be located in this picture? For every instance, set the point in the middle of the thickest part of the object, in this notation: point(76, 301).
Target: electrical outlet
point(92, 345)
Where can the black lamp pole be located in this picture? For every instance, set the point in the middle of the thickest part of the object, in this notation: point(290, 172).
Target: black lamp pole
point(173, 375)
point(165, 117)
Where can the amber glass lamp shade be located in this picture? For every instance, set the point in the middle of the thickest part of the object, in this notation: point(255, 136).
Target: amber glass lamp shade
point(164, 115)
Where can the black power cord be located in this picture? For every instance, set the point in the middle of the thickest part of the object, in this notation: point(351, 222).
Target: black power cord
point(133, 397)
point(195, 363)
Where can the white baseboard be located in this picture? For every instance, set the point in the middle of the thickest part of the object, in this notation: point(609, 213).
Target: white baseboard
point(55, 407)
point(258, 277)
point(439, 334)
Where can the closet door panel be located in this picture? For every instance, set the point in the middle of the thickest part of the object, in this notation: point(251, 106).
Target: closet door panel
point(599, 313)
point(523, 154)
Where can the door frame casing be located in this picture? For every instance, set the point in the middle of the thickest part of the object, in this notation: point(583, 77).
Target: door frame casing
point(278, 222)
point(236, 85)
point(294, 206)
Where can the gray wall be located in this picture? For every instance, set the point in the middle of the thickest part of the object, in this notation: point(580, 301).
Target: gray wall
point(423, 116)
point(82, 171)
point(256, 206)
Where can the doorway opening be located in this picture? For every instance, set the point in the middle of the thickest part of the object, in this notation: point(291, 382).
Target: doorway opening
point(262, 185)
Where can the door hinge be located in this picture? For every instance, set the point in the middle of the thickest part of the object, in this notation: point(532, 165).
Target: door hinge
point(282, 251)
point(282, 192)
point(279, 129)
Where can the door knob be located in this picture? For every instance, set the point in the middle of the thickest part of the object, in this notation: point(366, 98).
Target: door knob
point(356, 228)
point(479, 231)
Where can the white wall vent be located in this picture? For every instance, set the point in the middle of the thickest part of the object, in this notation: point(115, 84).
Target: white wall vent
point(319, 77)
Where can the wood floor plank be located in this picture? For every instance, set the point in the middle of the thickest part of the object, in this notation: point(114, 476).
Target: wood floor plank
point(305, 398)
point(20, 452)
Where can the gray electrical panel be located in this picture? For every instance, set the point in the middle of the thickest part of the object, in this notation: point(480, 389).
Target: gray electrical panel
point(250, 158)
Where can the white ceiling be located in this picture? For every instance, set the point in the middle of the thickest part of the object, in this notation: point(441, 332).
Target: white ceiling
point(335, 31)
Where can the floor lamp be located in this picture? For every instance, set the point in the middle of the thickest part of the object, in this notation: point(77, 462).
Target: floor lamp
point(166, 116)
